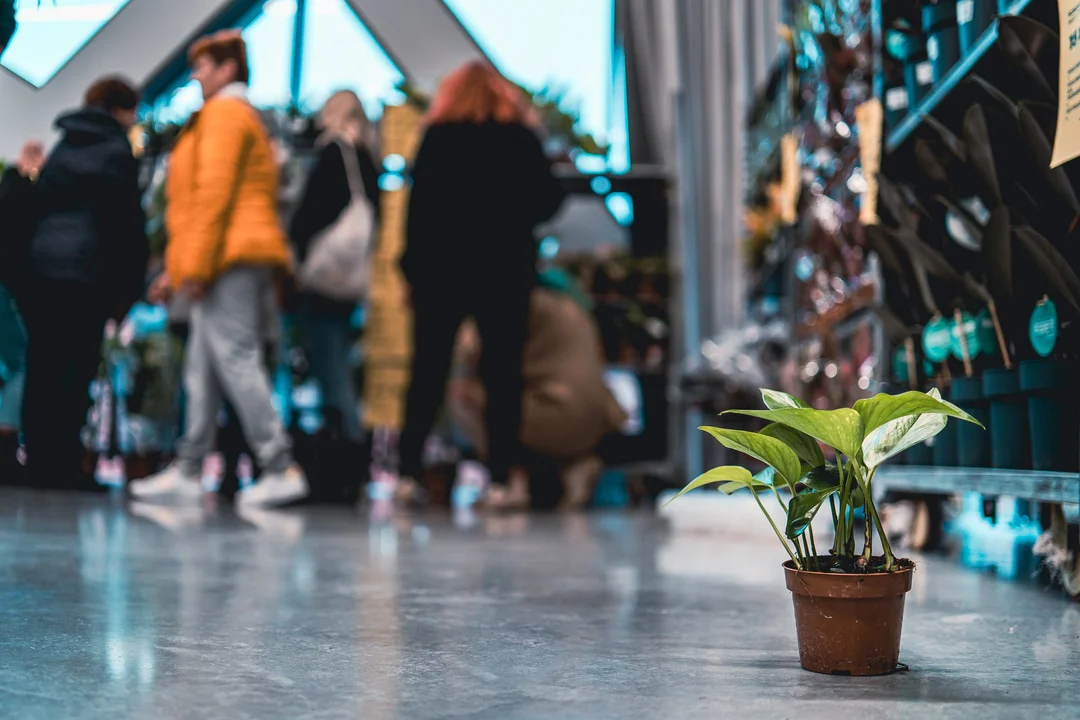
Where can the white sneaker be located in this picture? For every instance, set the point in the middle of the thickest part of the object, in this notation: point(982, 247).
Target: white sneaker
point(169, 486)
point(275, 489)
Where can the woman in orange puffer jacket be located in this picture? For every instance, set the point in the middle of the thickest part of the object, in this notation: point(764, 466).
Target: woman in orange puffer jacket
point(225, 245)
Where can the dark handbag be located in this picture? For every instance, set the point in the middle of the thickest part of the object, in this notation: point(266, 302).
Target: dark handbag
point(18, 218)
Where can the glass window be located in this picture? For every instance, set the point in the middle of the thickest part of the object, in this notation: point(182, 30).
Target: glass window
point(566, 47)
point(50, 34)
point(269, 35)
point(340, 53)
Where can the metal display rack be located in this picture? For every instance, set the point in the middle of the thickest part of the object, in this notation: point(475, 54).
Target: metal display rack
point(1040, 486)
point(926, 106)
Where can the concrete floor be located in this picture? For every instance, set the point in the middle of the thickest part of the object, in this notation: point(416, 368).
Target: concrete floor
point(110, 612)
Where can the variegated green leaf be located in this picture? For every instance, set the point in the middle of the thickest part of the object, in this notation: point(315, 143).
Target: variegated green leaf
point(881, 409)
point(896, 436)
point(723, 474)
point(767, 449)
point(839, 429)
point(776, 400)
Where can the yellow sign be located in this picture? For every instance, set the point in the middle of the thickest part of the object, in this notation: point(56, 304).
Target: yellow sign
point(388, 326)
point(1067, 142)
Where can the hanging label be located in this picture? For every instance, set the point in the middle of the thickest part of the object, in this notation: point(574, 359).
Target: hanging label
point(933, 48)
point(1067, 139)
point(984, 328)
point(924, 73)
point(936, 339)
point(1043, 330)
point(967, 328)
point(965, 12)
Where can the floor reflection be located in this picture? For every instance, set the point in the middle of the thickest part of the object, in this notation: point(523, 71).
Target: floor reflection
point(114, 611)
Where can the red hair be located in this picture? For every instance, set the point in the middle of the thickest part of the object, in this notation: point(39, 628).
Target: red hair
point(477, 93)
point(222, 47)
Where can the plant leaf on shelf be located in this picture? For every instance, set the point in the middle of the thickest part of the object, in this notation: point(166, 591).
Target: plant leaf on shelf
point(882, 408)
point(804, 446)
point(776, 400)
point(767, 449)
point(723, 474)
point(839, 429)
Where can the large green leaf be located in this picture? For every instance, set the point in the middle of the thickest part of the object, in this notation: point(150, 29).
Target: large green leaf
point(767, 449)
point(776, 400)
point(898, 435)
point(840, 429)
point(730, 488)
point(724, 474)
point(804, 446)
point(803, 508)
point(882, 408)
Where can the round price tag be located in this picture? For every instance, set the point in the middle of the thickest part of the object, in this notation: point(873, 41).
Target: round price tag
point(936, 339)
point(1044, 328)
point(968, 327)
point(984, 328)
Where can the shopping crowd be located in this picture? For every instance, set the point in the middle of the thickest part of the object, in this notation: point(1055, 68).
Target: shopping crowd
point(75, 256)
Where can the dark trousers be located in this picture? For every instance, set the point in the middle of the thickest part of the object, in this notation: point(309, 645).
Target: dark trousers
point(65, 322)
point(500, 307)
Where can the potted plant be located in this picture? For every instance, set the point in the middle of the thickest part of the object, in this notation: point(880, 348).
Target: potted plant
point(849, 605)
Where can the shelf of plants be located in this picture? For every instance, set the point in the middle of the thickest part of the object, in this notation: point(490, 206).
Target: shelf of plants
point(918, 111)
point(979, 245)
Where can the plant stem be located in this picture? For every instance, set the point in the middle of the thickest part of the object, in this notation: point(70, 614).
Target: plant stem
point(813, 548)
point(838, 541)
point(868, 538)
point(890, 561)
point(798, 565)
point(832, 506)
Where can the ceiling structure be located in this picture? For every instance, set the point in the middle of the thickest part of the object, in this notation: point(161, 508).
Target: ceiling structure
point(139, 38)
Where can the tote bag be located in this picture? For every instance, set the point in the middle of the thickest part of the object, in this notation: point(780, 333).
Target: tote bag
point(337, 263)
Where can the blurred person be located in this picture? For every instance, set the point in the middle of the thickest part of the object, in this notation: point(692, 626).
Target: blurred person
point(225, 246)
point(345, 165)
point(87, 261)
point(480, 184)
point(16, 208)
point(567, 408)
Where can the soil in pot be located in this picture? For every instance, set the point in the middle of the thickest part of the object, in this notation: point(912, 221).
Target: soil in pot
point(1053, 419)
point(1008, 419)
point(849, 623)
point(973, 443)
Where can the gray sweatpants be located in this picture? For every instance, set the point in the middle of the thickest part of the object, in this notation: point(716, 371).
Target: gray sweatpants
point(225, 356)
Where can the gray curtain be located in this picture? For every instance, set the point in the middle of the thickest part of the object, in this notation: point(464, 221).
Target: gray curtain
point(692, 69)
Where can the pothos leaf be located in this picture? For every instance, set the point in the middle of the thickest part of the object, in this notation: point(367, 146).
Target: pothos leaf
point(803, 508)
point(767, 449)
point(776, 400)
point(840, 429)
point(898, 435)
point(804, 446)
point(724, 474)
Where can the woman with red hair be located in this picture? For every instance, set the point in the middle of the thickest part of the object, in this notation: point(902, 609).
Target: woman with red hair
point(480, 184)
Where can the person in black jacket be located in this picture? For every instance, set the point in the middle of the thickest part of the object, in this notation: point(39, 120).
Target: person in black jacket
point(88, 255)
point(327, 321)
point(481, 182)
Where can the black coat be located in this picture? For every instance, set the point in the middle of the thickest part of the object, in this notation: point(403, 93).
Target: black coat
point(325, 197)
point(91, 228)
point(478, 191)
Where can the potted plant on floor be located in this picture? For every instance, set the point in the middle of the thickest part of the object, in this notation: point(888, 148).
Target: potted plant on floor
point(849, 605)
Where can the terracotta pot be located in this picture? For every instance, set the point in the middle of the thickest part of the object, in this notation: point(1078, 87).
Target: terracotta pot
point(848, 624)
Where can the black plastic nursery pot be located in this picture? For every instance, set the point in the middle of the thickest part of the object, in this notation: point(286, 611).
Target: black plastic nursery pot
point(973, 17)
point(945, 446)
point(942, 38)
point(972, 442)
point(849, 624)
point(1053, 389)
point(1009, 447)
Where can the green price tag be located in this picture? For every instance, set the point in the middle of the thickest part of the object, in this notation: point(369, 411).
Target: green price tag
point(1044, 328)
point(968, 327)
point(936, 338)
point(984, 328)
